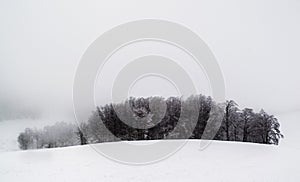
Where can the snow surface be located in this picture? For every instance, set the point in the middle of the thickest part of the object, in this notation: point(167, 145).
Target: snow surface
point(221, 161)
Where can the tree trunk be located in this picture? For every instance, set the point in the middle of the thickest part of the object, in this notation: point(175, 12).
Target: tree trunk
point(245, 133)
point(227, 122)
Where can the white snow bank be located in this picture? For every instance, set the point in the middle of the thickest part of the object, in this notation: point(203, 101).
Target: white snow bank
point(221, 161)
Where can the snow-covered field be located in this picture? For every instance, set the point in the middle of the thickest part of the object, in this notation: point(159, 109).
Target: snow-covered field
point(221, 161)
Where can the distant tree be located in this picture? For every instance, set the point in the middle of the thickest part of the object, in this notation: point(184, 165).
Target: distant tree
point(29, 139)
point(81, 135)
point(268, 128)
point(230, 117)
point(60, 134)
point(247, 117)
point(237, 125)
point(25, 139)
point(204, 108)
point(96, 130)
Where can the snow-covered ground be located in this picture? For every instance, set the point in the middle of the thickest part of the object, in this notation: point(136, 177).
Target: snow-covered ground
point(221, 161)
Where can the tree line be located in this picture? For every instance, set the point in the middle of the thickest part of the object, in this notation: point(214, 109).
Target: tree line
point(143, 119)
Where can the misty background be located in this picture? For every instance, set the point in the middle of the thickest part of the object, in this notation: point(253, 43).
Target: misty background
point(256, 44)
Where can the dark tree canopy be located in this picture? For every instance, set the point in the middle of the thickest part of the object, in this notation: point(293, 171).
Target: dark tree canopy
point(156, 118)
point(237, 125)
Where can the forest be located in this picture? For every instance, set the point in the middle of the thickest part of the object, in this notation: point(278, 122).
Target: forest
point(156, 118)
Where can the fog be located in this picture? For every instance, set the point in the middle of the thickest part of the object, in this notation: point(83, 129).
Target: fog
point(256, 44)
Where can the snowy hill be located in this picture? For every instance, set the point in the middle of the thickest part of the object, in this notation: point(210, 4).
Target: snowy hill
point(221, 161)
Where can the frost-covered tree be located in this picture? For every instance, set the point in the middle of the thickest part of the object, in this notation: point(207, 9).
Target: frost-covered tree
point(60, 134)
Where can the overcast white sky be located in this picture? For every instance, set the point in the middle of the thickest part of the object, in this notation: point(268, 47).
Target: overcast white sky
point(256, 43)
